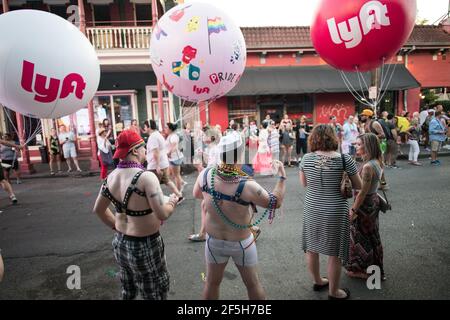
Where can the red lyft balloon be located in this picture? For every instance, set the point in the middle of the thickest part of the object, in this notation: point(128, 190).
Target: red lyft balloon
point(357, 35)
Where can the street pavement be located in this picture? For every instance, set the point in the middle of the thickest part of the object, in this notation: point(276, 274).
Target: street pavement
point(53, 227)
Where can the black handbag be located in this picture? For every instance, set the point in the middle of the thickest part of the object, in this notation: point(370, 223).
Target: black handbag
point(346, 184)
point(107, 158)
point(384, 202)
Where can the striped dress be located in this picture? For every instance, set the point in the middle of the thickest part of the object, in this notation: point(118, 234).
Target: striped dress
point(326, 225)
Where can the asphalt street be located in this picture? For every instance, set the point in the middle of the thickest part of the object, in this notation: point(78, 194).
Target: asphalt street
point(53, 227)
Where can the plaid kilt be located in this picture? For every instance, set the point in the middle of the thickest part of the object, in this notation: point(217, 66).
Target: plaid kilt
point(142, 265)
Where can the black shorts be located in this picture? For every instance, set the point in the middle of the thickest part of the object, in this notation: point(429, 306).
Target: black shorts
point(14, 164)
point(2, 177)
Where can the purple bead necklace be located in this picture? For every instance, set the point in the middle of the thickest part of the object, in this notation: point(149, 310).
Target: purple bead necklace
point(130, 164)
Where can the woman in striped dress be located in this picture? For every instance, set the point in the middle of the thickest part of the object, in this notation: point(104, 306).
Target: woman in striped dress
point(326, 225)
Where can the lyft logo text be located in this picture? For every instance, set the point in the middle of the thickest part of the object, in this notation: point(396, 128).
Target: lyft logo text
point(372, 15)
point(47, 93)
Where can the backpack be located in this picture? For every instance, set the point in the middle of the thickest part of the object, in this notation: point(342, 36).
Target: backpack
point(386, 131)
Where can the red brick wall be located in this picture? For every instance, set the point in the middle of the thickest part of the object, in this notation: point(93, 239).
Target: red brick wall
point(413, 100)
point(428, 72)
point(218, 112)
point(340, 105)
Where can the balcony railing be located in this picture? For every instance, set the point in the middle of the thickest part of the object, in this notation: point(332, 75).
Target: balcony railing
point(119, 37)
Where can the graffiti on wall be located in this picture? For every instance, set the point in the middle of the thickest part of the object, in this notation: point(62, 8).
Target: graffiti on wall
point(339, 110)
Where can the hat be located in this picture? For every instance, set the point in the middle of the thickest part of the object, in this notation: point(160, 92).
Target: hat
point(230, 142)
point(127, 141)
point(367, 113)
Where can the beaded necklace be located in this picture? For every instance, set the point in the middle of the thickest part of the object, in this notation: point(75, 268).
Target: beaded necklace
point(270, 210)
point(130, 164)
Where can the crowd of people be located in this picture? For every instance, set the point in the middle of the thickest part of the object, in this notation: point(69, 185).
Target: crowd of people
point(227, 162)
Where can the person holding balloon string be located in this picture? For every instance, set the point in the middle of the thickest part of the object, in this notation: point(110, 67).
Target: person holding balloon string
point(4, 183)
point(228, 193)
point(9, 158)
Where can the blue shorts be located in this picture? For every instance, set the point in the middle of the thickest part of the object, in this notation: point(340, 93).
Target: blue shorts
point(176, 163)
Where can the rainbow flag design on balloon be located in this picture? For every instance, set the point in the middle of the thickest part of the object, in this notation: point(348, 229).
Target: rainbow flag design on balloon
point(216, 25)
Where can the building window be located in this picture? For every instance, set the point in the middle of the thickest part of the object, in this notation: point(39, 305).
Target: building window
point(102, 15)
point(59, 10)
point(143, 14)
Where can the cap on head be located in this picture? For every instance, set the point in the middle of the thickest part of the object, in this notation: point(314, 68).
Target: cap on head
point(127, 141)
point(367, 113)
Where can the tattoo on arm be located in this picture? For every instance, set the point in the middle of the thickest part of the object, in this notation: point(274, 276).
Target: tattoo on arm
point(259, 192)
point(367, 175)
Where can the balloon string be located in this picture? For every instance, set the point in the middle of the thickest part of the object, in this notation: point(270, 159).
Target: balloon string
point(388, 84)
point(6, 111)
point(349, 85)
point(360, 84)
point(353, 92)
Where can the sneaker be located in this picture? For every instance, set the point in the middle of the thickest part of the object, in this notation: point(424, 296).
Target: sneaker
point(435, 163)
point(70, 170)
point(79, 170)
point(52, 173)
point(13, 199)
point(417, 163)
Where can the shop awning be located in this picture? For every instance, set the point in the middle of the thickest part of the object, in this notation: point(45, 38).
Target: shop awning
point(314, 79)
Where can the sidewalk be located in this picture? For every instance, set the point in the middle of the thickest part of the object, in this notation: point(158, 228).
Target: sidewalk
point(43, 170)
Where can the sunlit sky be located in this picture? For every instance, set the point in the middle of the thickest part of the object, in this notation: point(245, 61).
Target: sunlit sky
point(252, 13)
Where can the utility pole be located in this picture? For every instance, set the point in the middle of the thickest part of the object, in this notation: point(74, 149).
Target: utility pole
point(158, 83)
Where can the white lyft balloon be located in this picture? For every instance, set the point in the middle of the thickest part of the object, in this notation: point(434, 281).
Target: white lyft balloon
point(48, 68)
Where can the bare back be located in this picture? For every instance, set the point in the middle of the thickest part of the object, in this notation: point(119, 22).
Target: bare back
point(139, 226)
point(240, 214)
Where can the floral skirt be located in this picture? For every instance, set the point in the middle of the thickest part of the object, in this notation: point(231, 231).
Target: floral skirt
point(365, 243)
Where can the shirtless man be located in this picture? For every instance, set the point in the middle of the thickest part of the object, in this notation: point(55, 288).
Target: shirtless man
point(229, 215)
point(140, 207)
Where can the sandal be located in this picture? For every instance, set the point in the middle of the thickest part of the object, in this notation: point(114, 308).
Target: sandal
point(319, 287)
point(196, 238)
point(347, 292)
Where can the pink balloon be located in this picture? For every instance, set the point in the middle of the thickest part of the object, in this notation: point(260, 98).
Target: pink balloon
point(358, 35)
point(197, 52)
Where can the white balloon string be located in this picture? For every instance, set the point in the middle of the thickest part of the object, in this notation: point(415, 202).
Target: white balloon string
point(363, 90)
point(37, 131)
point(353, 91)
point(349, 85)
point(6, 111)
point(388, 84)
